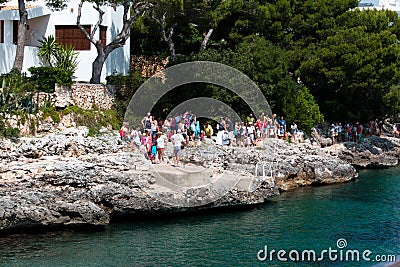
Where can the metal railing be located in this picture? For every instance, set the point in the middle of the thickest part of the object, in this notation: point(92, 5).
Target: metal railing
point(267, 171)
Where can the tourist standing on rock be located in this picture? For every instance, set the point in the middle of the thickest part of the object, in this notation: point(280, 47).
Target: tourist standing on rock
point(371, 127)
point(276, 125)
point(161, 140)
point(136, 135)
point(270, 128)
point(177, 140)
point(153, 148)
point(259, 127)
point(339, 130)
point(360, 130)
point(250, 119)
point(124, 131)
point(236, 133)
point(198, 130)
point(349, 132)
point(251, 131)
point(293, 131)
point(282, 122)
point(264, 120)
point(202, 135)
point(177, 120)
point(154, 126)
point(333, 133)
point(354, 132)
point(208, 130)
point(149, 143)
point(222, 135)
point(380, 128)
point(230, 127)
point(146, 122)
point(243, 134)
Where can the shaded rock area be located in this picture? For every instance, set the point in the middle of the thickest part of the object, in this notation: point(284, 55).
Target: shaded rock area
point(374, 152)
point(68, 178)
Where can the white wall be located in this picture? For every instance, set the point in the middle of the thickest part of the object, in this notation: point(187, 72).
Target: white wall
point(8, 32)
point(7, 55)
point(119, 60)
point(37, 29)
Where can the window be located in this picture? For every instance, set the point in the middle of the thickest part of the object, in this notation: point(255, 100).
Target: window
point(15, 31)
point(1, 31)
point(72, 35)
point(103, 35)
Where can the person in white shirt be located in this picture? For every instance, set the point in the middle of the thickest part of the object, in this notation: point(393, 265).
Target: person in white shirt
point(161, 139)
point(136, 135)
point(250, 130)
point(177, 140)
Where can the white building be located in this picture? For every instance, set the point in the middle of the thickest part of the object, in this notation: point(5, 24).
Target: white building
point(62, 24)
point(393, 5)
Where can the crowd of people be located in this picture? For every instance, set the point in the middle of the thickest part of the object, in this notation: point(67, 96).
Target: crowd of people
point(180, 129)
point(356, 132)
point(152, 137)
point(250, 132)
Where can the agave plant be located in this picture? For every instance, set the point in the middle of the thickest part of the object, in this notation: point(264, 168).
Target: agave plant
point(56, 55)
point(47, 50)
point(66, 58)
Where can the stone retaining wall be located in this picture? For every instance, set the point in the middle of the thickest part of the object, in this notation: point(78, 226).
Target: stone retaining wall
point(85, 96)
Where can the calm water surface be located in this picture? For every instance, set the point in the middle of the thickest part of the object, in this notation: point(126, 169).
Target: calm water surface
point(366, 213)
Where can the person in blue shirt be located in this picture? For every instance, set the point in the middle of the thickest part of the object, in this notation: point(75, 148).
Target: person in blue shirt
point(282, 122)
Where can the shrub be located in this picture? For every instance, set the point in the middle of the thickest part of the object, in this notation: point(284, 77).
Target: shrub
point(46, 77)
point(16, 92)
point(8, 132)
point(94, 119)
point(129, 85)
point(51, 112)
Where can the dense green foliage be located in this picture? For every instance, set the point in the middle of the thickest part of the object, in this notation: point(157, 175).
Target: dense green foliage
point(94, 119)
point(8, 132)
point(308, 57)
point(267, 65)
point(127, 86)
point(46, 77)
point(16, 92)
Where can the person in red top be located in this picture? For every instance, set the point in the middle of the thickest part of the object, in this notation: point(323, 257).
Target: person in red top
point(149, 143)
point(260, 125)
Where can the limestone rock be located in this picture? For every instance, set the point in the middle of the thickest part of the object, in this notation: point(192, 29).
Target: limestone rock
point(68, 178)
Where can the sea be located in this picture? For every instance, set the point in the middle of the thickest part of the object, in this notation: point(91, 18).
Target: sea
point(350, 224)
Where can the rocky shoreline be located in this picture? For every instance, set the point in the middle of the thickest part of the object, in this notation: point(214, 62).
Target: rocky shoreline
point(67, 178)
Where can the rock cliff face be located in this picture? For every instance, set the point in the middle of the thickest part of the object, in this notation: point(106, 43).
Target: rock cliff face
point(68, 178)
point(374, 152)
point(290, 165)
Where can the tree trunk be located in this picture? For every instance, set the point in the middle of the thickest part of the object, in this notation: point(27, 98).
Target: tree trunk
point(98, 63)
point(172, 49)
point(23, 19)
point(118, 41)
point(205, 40)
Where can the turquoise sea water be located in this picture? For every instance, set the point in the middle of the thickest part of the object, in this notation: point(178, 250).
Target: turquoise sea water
point(366, 213)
